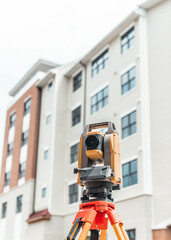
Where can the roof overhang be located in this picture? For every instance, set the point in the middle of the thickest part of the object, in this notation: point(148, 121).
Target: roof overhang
point(113, 34)
point(41, 65)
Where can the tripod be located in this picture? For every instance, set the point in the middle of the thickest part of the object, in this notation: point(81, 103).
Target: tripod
point(93, 216)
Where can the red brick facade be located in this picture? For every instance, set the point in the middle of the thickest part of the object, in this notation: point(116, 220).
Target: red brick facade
point(18, 107)
point(162, 234)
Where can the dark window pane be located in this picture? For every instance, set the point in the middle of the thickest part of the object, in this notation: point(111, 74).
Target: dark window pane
point(22, 169)
point(100, 63)
point(77, 81)
point(128, 80)
point(12, 119)
point(129, 124)
point(129, 173)
point(99, 100)
point(50, 86)
point(10, 149)
point(19, 204)
point(73, 193)
point(74, 153)
point(76, 116)
point(24, 138)
point(7, 178)
point(4, 210)
point(27, 106)
point(127, 40)
point(131, 234)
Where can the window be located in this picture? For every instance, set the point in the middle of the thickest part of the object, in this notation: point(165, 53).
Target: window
point(22, 170)
point(73, 193)
point(10, 148)
point(99, 100)
point(76, 116)
point(19, 204)
point(74, 153)
point(44, 190)
point(27, 106)
point(12, 119)
point(77, 81)
point(48, 119)
point(129, 124)
point(24, 138)
point(4, 210)
point(128, 80)
point(7, 178)
point(46, 154)
point(129, 171)
point(131, 234)
point(127, 40)
point(100, 63)
point(50, 86)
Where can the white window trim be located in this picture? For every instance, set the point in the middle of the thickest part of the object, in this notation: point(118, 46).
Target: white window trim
point(99, 89)
point(127, 69)
point(127, 29)
point(128, 112)
point(100, 52)
point(76, 106)
point(77, 72)
point(29, 97)
point(126, 160)
point(73, 143)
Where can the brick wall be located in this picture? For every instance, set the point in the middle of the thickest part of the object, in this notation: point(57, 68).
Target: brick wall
point(18, 107)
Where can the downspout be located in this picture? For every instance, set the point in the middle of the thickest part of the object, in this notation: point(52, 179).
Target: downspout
point(35, 176)
point(85, 93)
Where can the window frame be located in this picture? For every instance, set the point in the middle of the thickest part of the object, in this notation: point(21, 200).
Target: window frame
point(44, 192)
point(4, 210)
point(99, 103)
point(129, 80)
point(72, 155)
point(129, 125)
point(12, 121)
point(25, 140)
point(48, 119)
point(73, 194)
point(27, 108)
point(77, 81)
point(22, 170)
point(128, 233)
point(99, 63)
point(50, 86)
point(7, 180)
point(10, 148)
point(46, 154)
point(125, 37)
point(76, 119)
point(19, 204)
point(130, 173)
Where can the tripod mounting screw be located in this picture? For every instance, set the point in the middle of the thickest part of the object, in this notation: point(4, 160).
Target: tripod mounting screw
point(75, 170)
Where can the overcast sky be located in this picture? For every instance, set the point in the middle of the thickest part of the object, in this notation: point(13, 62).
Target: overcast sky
point(56, 30)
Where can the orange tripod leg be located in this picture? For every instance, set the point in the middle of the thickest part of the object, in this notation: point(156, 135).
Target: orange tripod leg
point(123, 231)
point(103, 234)
point(118, 232)
point(85, 231)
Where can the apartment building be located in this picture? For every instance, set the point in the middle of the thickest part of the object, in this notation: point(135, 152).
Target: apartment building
point(119, 80)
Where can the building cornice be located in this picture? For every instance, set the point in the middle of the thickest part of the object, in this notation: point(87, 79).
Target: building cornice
point(141, 9)
point(40, 66)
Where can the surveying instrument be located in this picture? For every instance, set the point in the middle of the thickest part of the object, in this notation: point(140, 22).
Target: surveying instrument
point(99, 172)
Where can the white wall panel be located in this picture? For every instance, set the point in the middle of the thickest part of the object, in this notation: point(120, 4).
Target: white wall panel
point(2, 228)
point(17, 227)
point(26, 122)
point(23, 153)
point(11, 134)
point(8, 164)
